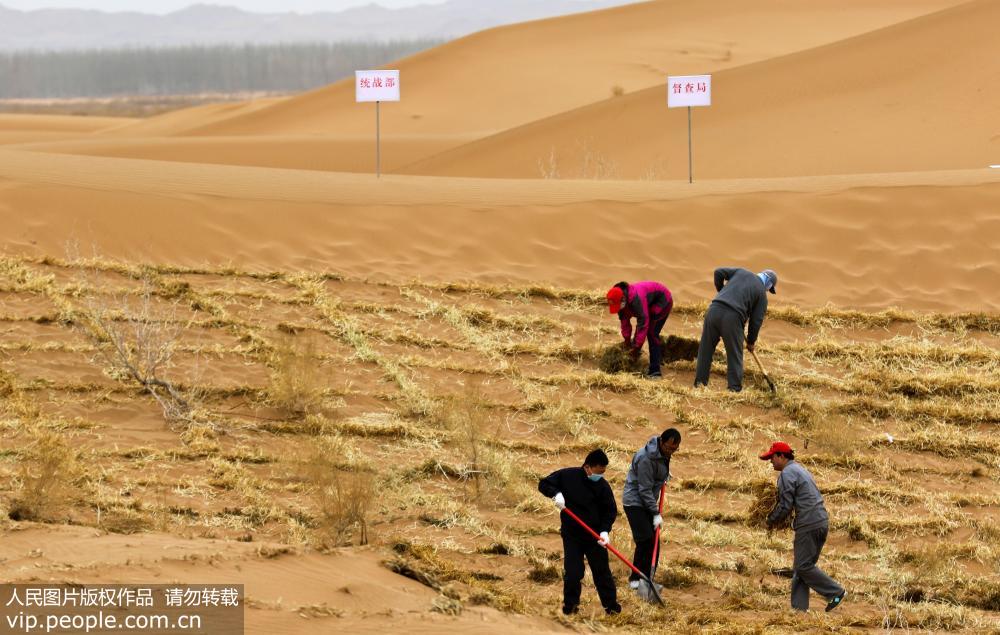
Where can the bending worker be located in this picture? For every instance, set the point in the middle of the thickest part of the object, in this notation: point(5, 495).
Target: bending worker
point(742, 297)
point(584, 491)
point(650, 304)
point(649, 471)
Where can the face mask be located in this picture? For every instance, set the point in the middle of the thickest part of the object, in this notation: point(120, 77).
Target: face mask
point(595, 477)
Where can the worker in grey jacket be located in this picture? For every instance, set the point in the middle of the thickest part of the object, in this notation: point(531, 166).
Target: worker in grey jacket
point(797, 489)
point(742, 298)
point(649, 470)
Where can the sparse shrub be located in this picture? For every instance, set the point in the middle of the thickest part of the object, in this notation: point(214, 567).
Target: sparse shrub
point(50, 472)
point(296, 385)
point(136, 339)
point(343, 501)
point(617, 91)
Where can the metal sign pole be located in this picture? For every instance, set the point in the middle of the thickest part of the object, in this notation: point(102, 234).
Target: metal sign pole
point(690, 162)
point(378, 141)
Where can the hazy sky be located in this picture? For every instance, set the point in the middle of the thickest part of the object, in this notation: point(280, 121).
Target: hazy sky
point(166, 6)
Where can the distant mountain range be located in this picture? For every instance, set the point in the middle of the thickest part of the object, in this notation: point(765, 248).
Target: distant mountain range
point(61, 29)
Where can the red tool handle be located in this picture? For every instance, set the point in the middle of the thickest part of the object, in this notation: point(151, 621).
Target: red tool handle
point(598, 536)
point(656, 540)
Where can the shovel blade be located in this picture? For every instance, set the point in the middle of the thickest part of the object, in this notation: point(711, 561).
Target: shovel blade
point(650, 592)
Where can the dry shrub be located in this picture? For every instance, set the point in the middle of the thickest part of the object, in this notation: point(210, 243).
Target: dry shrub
point(342, 498)
point(617, 359)
point(136, 339)
point(50, 475)
point(296, 385)
point(679, 348)
point(484, 467)
point(765, 497)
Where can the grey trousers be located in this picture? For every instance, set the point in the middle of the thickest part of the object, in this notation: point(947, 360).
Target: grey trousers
point(808, 545)
point(721, 322)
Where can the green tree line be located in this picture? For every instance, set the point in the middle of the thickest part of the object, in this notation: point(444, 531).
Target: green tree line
point(191, 70)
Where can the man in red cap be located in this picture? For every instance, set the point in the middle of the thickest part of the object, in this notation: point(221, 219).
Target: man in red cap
point(650, 304)
point(796, 488)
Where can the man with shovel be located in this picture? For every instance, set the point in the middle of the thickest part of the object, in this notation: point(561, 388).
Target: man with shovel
point(649, 471)
point(742, 297)
point(650, 304)
point(584, 492)
point(796, 488)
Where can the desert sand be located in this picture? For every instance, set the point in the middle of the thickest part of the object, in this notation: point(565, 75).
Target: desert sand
point(428, 343)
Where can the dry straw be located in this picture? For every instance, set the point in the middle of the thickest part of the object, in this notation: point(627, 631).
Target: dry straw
point(765, 498)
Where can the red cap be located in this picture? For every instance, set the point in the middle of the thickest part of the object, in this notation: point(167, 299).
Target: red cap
point(615, 295)
point(777, 446)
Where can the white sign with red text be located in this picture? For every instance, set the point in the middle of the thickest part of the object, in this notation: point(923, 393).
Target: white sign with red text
point(689, 90)
point(376, 85)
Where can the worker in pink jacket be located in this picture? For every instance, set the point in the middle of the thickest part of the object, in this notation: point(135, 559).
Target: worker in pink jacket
point(650, 304)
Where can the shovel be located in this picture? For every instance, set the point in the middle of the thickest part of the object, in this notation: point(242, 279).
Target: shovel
point(610, 548)
point(770, 384)
point(647, 588)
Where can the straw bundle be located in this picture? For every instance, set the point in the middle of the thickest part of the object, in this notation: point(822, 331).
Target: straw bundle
point(765, 497)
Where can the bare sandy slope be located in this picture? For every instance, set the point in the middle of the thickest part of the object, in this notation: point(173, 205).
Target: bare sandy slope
point(503, 77)
point(16, 128)
point(867, 241)
point(286, 593)
point(883, 101)
point(298, 152)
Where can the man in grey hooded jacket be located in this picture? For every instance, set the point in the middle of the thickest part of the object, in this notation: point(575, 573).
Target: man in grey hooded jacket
point(797, 489)
point(742, 298)
point(649, 470)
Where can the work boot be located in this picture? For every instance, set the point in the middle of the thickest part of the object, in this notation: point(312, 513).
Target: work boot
point(613, 610)
point(570, 610)
point(654, 375)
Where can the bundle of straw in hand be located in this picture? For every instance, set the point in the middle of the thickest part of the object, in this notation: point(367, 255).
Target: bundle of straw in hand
point(765, 497)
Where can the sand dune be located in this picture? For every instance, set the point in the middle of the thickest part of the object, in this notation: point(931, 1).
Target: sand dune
point(15, 129)
point(880, 102)
point(827, 236)
point(509, 76)
point(326, 153)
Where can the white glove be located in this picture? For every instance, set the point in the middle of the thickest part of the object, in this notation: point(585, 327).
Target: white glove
point(560, 501)
point(657, 521)
point(604, 539)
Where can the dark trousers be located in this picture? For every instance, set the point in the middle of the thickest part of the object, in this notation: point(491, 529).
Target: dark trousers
point(808, 546)
point(653, 337)
point(721, 322)
point(640, 520)
point(574, 550)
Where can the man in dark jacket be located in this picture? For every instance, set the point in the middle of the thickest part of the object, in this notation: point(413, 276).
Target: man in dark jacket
point(649, 470)
point(650, 304)
point(797, 489)
point(742, 297)
point(584, 491)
